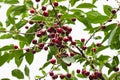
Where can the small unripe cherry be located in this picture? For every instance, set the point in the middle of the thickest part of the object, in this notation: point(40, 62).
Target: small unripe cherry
point(93, 49)
point(55, 3)
point(62, 76)
point(68, 75)
point(45, 13)
point(73, 19)
point(32, 11)
point(72, 54)
point(82, 39)
point(78, 70)
point(53, 61)
point(113, 11)
point(15, 47)
point(84, 47)
point(34, 41)
point(51, 73)
point(43, 8)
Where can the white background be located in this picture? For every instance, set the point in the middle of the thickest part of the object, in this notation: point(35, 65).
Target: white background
point(77, 33)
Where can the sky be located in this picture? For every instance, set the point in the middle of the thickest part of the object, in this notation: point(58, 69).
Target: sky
point(77, 33)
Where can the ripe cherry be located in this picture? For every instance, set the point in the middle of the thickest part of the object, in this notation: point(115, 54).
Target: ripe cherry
point(73, 19)
point(103, 27)
point(59, 30)
point(45, 13)
point(45, 48)
point(55, 76)
point(65, 39)
point(15, 47)
point(93, 49)
point(73, 42)
point(43, 8)
point(32, 11)
point(78, 70)
point(27, 50)
point(83, 40)
point(37, 0)
point(98, 44)
point(51, 73)
point(62, 76)
point(53, 61)
point(33, 51)
point(68, 75)
point(26, 27)
point(55, 3)
point(72, 54)
point(113, 11)
point(34, 41)
point(84, 47)
point(116, 69)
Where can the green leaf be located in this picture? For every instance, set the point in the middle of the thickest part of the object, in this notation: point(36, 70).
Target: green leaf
point(38, 18)
point(45, 65)
point(43, 72)
point(6, 36)
point(11, 1)
point(26, 70)
point(115, 61)
point(93, 1)
point(44, 1)
point(28, 3)
point(4, 58)
point(115, 76)
point(103, 58)
point(108, 65)
point(107, 9)
point(29, 58)
point(86, 5)
point(64, 66)
point(72, 2)
point(96, 17)
point(17, 73)
point(81, 76)
point(7, 47)
point(68, 60)
point(5, 79)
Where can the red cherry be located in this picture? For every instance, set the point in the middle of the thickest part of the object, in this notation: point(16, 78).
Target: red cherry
point(26, 27)
point(103, 27)
point(43, 32)
point(72, 54)
point(55, 3)
point(32, 11)
point(59, 15)
point(98, 44)
point(37, 0)
point(33, 51)
point(55, 76)
point(83, 40)
point(59, 30)
point(84, 47)
point(68, 75)
point(91, 76)
point(51, 73)
point(113, 11)
point(65, 39)
point(15, 47)
point(31, 22)
point(62, 76)
point(70, 38)
point(51, 44)
point(27, 50)
point(45, 13)
point(41, 45)
point(69, 29)
point(93, 49)
point(43, 8)
point(53, 61)
point(78, 70)
point(87, 73)
point(60, 38)
point(46, 48)
point(73, 19)
point(52, 35)
point(34, 41)
point(38, 34)
point(73, 42)
point(83, 71)
point(116, 69)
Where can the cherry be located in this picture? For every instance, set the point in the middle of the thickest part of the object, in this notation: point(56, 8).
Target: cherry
point(73, 42)
point(98, 44)
point(84, 47)
point(68, 64)
point(15, 47)
point(37, 0)
point(51, 44)
point(31, 22)
point(91, 76)
point(93, 49)
point(118, 24)
point(41, 45)
point(59, 15)
point(50, 29)
point(73, 19)
point(34, 41)
point(62, 76)
point(55, 76)
point(43, 8)
point(113, 11)
point(52, 35)
point(46, 48)
point(103, 27)
point(27, 50)
point(83, 40)
point(83, 71)
point(78, 70)
point(60, 38)
point(87, 73)
point(51, 73)
point(53, 61)
point(43, 32)
point(32, 11)
point(59, 30)
point(26, 27)
point(39, 35)
point(70, 38)
point(45, 13)
point(41, 24)
point(69, 29)
point(72, 54)
point(33, 51)
point(55, 3)
point(116, 69)
point(65, 39)
point(68, 75)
